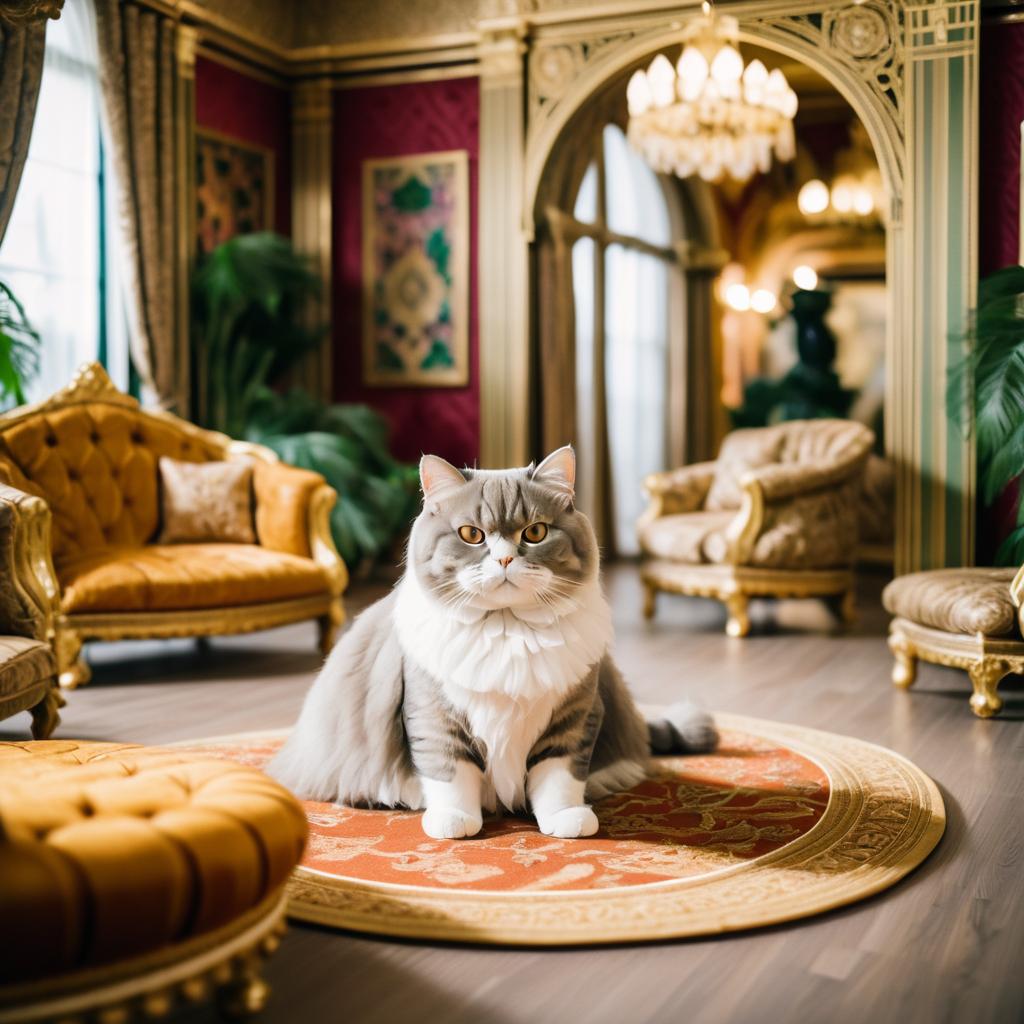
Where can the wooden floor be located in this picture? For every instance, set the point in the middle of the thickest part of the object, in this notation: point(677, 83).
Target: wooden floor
point(945, 945)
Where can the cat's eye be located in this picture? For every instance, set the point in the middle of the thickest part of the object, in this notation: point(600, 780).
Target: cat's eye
point(471, 534)
point(535, 533)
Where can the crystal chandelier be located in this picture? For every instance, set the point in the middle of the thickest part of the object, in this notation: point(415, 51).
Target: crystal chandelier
point(709, 115)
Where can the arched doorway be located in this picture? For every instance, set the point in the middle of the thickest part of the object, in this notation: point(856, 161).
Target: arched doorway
point(621, 268)
point(903, 69)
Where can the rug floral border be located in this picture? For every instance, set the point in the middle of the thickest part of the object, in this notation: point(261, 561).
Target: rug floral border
point(883, 818)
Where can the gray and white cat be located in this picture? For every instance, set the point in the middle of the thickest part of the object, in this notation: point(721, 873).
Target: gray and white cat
point(484, 677)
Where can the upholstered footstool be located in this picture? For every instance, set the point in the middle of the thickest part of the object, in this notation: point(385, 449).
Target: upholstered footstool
point(966, 618)
point(134, 878)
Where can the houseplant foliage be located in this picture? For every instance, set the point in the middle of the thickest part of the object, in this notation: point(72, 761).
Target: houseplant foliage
point(247, 334)
point(986, 395)
point(347, 444)
point(19, 349)
point(246, 329)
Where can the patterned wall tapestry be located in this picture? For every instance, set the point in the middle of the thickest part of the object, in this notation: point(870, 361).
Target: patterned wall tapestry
point(416, 270)
point(234, 189)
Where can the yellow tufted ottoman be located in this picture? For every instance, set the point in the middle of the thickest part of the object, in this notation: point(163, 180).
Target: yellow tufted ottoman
point(131, 877)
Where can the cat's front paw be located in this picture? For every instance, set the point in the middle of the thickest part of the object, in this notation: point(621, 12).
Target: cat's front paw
point(569, 823)
point(450, 823)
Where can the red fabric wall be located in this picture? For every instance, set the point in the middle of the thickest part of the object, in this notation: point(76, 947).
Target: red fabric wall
point(401, 120)
point(1002, 110)
point(253, 111)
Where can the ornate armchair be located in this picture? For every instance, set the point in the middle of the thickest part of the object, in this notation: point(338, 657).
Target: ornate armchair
point(774, 515)
point(91, 455)
point(964, 618)
point(28, 670)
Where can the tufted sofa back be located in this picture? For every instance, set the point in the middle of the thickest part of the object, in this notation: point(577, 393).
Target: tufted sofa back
point(795, 442)
point(95, 463)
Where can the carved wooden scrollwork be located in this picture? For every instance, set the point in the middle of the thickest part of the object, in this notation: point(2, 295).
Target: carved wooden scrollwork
point(24, 12)
point(862, 42)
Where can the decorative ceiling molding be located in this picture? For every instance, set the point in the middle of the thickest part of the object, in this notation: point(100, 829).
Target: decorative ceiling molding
point(859, 48)
point(361, 40)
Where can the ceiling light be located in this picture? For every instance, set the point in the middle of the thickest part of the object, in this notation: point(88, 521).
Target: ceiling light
point(805, 277)
point(710, 115)
point(737, 296)
point(813, 197)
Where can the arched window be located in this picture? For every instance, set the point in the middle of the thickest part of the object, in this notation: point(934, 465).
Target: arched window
point(57, 253)
point(623, 263)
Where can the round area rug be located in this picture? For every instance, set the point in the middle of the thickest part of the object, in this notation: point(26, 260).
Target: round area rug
point(780, 822)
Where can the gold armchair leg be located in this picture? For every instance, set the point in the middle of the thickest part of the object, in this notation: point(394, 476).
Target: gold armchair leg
point(985, 678)
point(327, 626)
point(72, 669)
point(848, 606)
point(738, 623)
point(46, 714)
point(904, 669)
point(650, 599)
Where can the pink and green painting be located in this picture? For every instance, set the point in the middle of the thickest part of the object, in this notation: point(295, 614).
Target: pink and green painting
point(415, 270)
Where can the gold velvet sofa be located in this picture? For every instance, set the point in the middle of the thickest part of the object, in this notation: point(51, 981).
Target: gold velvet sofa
point(91, 453)
point(964, 618)
point(28, 670)
point(134, 880)
point(775, 515)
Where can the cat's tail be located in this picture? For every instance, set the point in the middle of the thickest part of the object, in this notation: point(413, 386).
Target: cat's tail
point(684, 728)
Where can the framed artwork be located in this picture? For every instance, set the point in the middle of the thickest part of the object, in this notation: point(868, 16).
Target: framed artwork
point(416, 271)
point(234, 189)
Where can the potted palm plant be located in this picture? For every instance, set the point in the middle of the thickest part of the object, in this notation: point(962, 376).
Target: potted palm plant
point(247, 334)
point(986, 396)
point(19, 349)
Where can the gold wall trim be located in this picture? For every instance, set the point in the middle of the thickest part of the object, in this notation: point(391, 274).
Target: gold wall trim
point(312, 216)
point(504, 349)
point(224, 40)
point(244, 67)
point(361, 81)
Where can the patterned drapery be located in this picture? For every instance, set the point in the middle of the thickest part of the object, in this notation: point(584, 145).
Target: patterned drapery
point(137, 78)
point(21, 70)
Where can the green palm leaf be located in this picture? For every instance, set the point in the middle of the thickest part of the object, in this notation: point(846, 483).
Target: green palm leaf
point(985, 391)
point(19, 349)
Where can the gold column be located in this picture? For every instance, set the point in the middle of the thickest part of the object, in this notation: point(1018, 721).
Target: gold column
point(701, 422)
point(503, 249)
point(311, 214)
point(186, 40)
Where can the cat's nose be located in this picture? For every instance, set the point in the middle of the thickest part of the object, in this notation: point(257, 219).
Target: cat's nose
point(506, 562)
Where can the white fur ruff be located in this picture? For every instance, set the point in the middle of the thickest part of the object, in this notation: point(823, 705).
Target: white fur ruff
point(506, 669)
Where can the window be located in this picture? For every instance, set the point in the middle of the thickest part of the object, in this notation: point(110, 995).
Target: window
point(622, 265)
point(57, 252)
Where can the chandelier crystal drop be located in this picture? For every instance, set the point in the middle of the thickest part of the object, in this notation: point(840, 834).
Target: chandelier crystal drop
point(711, 115)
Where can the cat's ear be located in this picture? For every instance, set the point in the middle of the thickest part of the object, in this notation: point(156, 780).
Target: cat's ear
point(438, 478)
point(558, 472)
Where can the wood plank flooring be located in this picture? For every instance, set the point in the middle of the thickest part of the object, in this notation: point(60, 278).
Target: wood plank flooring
point(944, 946)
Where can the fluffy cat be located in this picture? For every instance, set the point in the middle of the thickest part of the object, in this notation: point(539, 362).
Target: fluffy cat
point(484, 678)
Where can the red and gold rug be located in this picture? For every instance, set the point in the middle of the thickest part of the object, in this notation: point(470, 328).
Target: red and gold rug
point(780, 822)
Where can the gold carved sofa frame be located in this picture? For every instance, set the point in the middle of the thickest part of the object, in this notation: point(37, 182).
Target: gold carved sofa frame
point(292, 510)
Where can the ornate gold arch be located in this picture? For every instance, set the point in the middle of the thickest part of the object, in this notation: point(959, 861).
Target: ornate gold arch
point(855, 48)
point(909, 70)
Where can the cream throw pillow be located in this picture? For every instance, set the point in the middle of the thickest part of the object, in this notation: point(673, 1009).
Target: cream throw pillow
point(206, 501)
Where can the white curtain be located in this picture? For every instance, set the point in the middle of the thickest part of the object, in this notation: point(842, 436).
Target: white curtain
point(635, 299)
point(585, 440)
point(636, 376)
point(57, 252)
